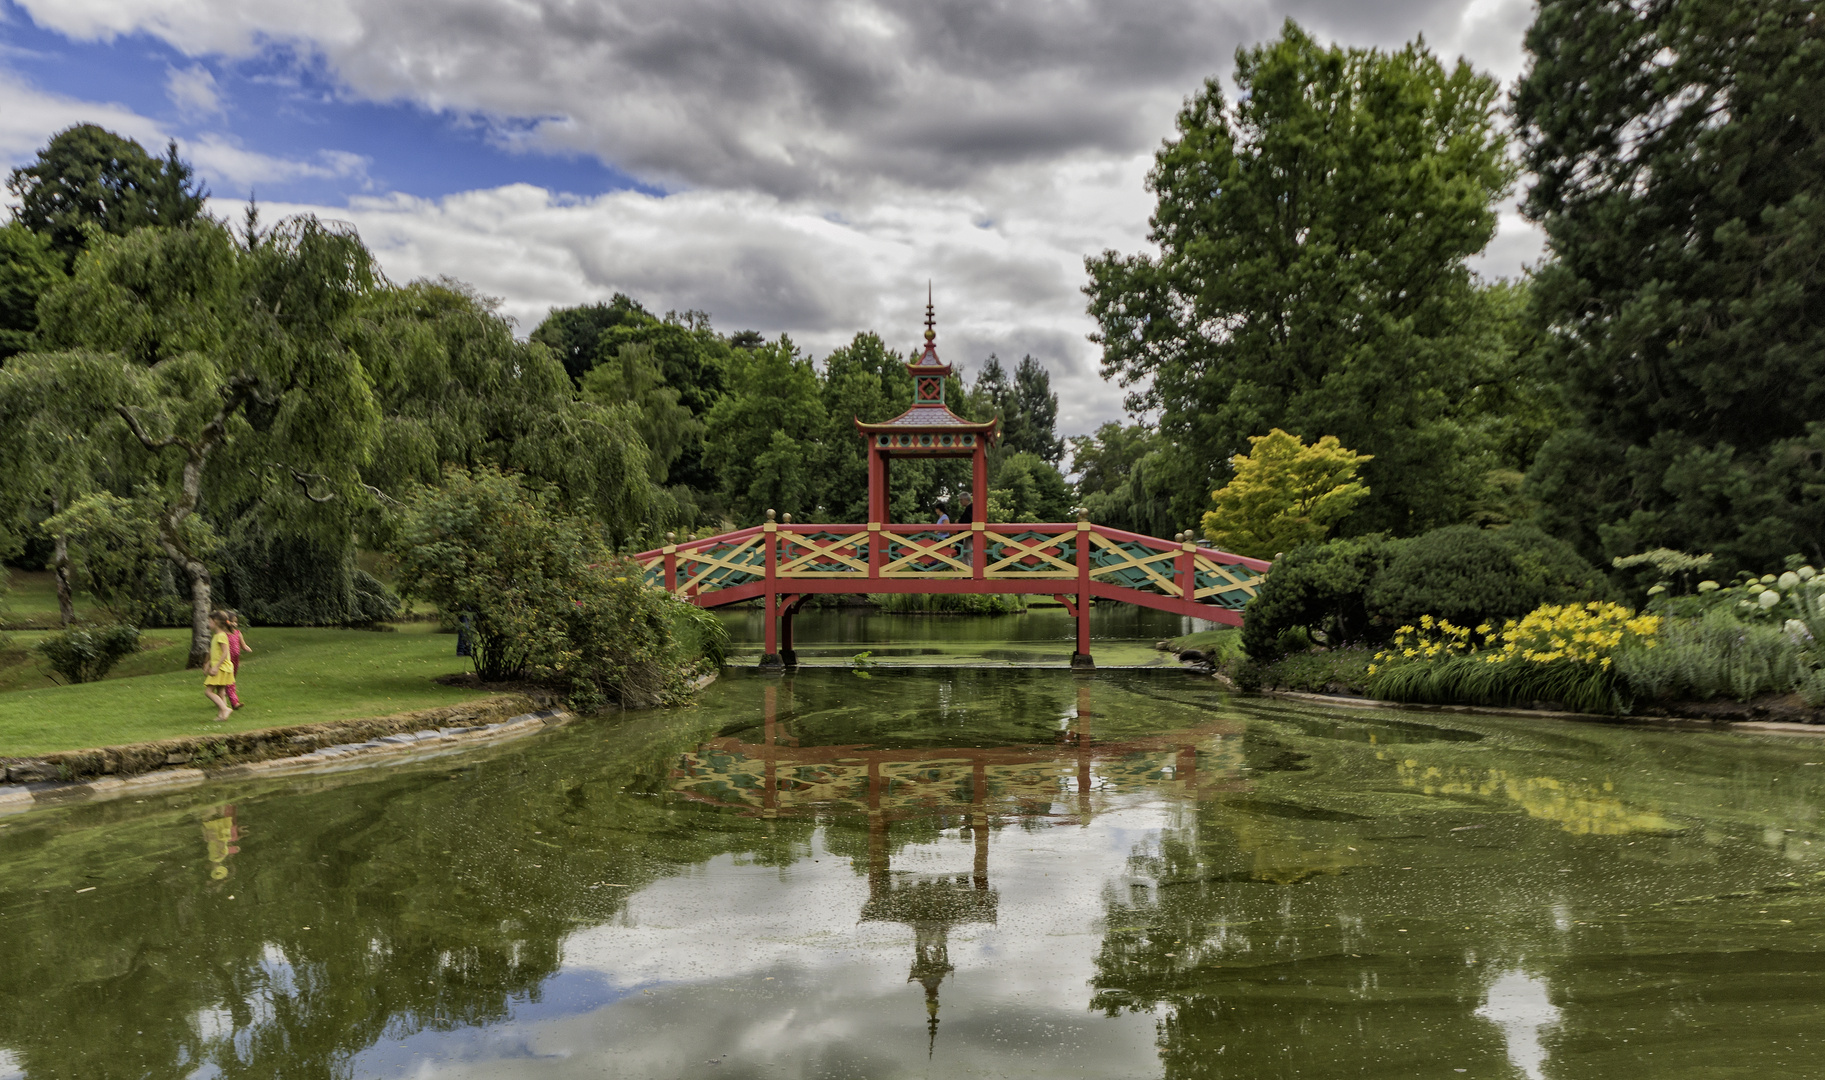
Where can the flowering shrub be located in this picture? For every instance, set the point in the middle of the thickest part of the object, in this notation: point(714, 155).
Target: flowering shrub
point(1561, 653)
point(1587, 634)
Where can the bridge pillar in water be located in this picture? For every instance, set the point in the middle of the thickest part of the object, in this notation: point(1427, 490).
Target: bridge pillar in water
point(1080, 660)
point(769, 658)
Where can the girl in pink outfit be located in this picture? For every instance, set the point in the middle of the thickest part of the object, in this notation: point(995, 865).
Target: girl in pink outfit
point(236, 646)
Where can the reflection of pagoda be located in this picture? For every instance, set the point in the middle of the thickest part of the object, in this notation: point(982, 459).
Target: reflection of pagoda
point(930, 905)
point(777, 775)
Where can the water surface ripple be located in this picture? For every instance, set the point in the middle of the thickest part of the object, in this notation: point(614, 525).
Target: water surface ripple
point(977, 872)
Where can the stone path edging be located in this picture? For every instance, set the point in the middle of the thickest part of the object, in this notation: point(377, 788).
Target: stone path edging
point(17, 797)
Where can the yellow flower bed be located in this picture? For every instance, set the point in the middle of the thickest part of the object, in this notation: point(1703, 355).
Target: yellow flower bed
point(1588, 633)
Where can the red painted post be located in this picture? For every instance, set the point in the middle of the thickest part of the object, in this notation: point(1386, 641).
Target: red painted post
point(1185, 573)
point(769, 538)
point(671, 562)
point(1081, 659)
point(979, 510)
point(877, 487)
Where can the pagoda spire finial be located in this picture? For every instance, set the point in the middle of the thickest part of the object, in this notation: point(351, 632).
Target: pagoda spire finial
point(931, 320)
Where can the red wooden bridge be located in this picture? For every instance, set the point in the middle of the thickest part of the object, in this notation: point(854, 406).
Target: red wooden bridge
point(785, 564)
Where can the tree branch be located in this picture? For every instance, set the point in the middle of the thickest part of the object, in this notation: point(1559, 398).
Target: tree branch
point(140, 433)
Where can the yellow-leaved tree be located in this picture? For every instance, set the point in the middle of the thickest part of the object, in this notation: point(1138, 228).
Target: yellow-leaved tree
point(1284, 494)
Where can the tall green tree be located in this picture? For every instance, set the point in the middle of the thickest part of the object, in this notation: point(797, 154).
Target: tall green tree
point(29, 268)
point(574, 333)
point(89, 177)
point(864, 380)
point(1031, 422)
point(1679, 154)
point(1312, 272)
point(763, 439)
point(455, 388)
point(215, 373)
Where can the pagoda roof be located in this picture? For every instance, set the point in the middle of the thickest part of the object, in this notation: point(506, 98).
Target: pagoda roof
point(934, 417)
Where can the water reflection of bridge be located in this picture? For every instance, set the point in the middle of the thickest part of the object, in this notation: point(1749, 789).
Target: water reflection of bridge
point(1070, 779)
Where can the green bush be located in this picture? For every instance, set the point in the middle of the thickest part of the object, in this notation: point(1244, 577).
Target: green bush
point(1473, 576)
point(79, 656)
point(1329, 671)
point(1320, 587)
point(1716, 655)
point(546, 599)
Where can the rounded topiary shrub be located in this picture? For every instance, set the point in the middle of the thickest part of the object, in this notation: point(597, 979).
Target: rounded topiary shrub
point(1472, 576)
point(1319, 588)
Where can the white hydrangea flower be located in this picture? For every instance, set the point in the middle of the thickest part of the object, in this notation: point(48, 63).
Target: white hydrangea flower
point(1768, 599)
point(1708, 586)
point(1790, 580)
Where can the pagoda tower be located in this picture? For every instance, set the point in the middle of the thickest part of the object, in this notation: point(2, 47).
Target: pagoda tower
point(929, 429)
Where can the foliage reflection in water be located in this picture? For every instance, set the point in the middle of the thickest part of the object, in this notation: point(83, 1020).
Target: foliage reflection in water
point(976, 872)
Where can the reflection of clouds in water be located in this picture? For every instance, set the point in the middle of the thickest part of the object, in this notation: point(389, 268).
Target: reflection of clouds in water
point(1517, 1003)
point(10, 1068)
point(769, 969)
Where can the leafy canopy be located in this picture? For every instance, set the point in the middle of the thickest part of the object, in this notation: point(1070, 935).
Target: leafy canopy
point(1312, 272)
point(1284, 494)
point(87, 177)
point(1679, 151)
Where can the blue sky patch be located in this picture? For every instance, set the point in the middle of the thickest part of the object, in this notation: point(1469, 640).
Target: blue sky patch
point(285, 105)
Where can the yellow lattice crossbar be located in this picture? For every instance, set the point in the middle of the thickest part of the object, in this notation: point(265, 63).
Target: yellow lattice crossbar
point(1145, 564)
point(917, 549)
point(704, 564)
point(1008, 566)
point(816, 550)
point(1238, 578)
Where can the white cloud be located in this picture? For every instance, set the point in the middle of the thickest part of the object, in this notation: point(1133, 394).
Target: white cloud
point(230, 166)
point(1006, 264)
point(30, 116)
point(194, 91)
point(825, 157)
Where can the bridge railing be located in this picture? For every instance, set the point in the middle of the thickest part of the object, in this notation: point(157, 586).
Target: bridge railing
point(847, 558)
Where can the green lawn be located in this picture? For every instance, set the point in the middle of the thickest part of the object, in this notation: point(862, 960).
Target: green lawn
point(32, 599)
point(294, 676)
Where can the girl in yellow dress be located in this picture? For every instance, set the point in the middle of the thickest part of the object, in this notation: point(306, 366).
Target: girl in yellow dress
point(218, 676)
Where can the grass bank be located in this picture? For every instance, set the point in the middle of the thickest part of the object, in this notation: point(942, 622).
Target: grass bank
point(294, 676)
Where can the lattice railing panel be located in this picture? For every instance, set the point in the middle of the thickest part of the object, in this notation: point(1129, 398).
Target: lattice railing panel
point(823, 554)
point(1133, 565)
point(928, 554)
point(1030, 555)
point(1226, 585)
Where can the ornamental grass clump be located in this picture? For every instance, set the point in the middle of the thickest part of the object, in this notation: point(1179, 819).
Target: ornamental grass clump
point(1559, 653)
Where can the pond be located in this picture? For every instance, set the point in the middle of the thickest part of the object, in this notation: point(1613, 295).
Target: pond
point(924, 872)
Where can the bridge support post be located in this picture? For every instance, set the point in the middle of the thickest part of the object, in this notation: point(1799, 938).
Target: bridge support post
point(769, 657)
point(1080, 660)
point(788, 656)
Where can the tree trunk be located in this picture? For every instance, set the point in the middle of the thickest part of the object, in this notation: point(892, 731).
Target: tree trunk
point(60, 569)
point(60, 566)
point(200, 585)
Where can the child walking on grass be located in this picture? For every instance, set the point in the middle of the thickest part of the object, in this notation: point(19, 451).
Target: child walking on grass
point(236, 647)
point(218, 675)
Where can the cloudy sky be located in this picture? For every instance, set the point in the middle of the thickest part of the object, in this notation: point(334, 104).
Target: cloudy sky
point(797, 166)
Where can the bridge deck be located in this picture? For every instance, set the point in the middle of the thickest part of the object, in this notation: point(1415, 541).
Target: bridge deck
point(1075, 561)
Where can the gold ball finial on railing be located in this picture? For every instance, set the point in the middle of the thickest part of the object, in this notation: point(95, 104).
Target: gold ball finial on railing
point(785, 519)
point(1083, 513)
point(671, 538)
point(770, 515)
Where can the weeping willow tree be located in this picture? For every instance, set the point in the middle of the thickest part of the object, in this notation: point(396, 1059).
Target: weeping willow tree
point(279, 376)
